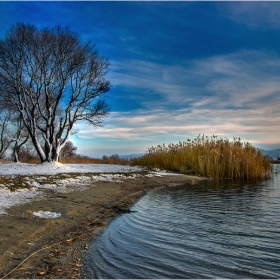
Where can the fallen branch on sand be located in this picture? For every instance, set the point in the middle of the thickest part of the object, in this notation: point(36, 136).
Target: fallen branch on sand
point(47, 247)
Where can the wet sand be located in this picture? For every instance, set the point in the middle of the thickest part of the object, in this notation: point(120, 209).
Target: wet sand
point(31, 247)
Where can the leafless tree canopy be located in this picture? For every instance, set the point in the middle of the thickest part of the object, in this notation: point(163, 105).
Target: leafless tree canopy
point(53, 80)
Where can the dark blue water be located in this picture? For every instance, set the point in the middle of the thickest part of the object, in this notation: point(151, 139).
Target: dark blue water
point(228, 229)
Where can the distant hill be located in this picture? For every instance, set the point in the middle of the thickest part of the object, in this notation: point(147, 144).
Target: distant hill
point(273, 154)
point(131, 156)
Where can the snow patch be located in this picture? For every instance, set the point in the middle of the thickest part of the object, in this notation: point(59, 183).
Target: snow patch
point(46, 214)
point(17, 197)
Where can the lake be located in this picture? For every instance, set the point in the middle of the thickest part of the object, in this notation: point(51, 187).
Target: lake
point(217, 228)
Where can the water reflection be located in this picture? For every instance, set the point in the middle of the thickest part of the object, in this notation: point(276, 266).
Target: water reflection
point(220, 228)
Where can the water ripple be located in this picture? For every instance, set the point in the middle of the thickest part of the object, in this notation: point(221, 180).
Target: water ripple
point(214, 229)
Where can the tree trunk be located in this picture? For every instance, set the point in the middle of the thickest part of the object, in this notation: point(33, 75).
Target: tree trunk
point(48, 152)
point(55, 155)
point(15, 152)
point(2, 154)
point(37, 147)
point(3, 150)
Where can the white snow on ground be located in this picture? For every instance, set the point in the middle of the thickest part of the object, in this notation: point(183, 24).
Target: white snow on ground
point(67, 184)
point(54, 168)
point(8, 198)
point(102, 168)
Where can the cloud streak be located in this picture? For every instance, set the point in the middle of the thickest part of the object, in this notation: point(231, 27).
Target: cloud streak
point(259, 14)
point(243, 80)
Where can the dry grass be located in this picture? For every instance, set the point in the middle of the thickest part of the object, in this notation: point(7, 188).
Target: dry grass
point(14, 182)
point(80, 160)
point(209, 157)
point(34, 160)
point(88, 160)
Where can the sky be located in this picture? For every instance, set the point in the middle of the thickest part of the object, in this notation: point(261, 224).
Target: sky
point(178, 69)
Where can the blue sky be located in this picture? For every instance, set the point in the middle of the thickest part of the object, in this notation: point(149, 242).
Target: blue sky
point(178, 69)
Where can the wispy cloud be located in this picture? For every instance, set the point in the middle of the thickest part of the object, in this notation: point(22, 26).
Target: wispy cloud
point(255, 14)
point(246, 79)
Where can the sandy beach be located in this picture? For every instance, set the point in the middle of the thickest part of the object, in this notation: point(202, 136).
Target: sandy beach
point(36, 247)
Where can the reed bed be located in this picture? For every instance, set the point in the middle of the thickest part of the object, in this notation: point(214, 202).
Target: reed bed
point(209, 157)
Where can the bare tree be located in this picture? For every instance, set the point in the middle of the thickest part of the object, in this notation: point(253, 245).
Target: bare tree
point(69, 150)
point(20, 135)
point(54, 80)
point(13, 133)
point(26, 152)
point(5, 141)
point(115, 157)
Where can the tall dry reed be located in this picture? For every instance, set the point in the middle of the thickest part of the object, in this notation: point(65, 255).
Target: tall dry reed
point(209, 157)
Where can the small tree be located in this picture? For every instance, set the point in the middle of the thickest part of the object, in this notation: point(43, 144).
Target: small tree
point(20, 135)
point(54, 81)
point(13, 133)
point(5, 141)
point(115, 157)
point(69, 150)
point(26, 152)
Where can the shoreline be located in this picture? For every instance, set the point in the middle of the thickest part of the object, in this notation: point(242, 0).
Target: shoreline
point(55, 248)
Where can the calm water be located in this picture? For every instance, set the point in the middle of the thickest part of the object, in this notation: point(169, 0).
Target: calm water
point(214, 229)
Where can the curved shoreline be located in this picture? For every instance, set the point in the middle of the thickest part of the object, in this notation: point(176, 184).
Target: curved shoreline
point(54, 248)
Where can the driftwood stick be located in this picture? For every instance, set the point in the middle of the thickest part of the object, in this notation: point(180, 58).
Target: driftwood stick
point(42, 249)
point(29, 258)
